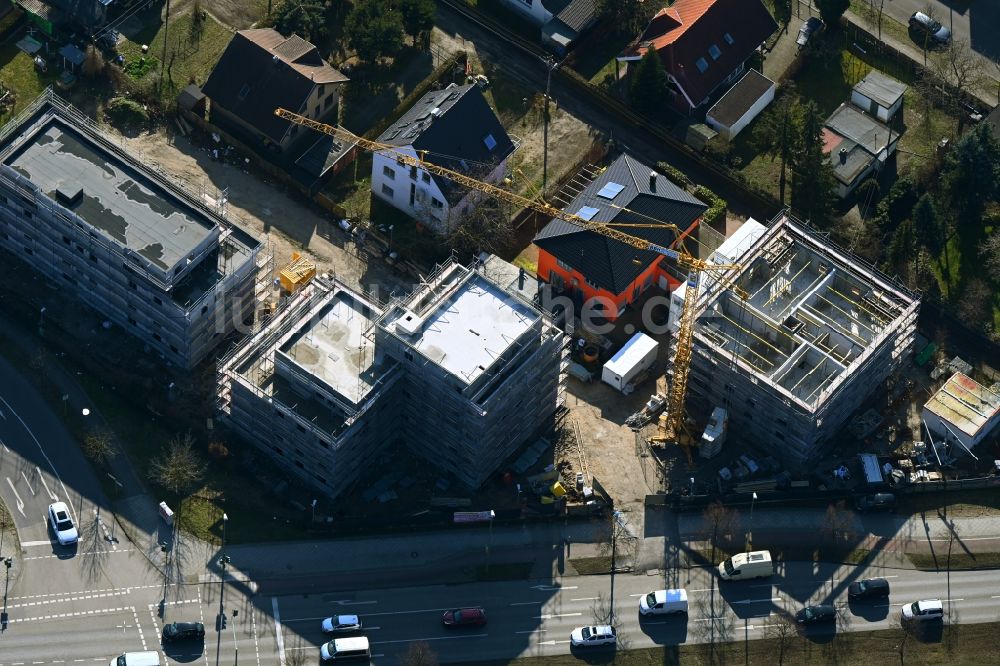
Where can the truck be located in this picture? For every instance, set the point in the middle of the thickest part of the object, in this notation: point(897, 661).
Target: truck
point(637, 356)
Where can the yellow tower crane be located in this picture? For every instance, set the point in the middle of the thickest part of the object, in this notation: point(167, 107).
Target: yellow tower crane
point(671, 424)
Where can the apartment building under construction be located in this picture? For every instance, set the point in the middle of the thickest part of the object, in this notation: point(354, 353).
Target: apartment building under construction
point(807, 335)
point(462, 371)
point(121, 237)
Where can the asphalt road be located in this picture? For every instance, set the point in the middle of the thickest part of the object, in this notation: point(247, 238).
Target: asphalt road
point(973, 21)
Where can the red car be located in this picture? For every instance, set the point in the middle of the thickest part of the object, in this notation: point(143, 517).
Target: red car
point(464, 617)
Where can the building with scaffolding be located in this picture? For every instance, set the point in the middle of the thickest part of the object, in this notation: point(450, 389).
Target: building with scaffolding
point(797, 339)
point(124, 239)
point(462, 371)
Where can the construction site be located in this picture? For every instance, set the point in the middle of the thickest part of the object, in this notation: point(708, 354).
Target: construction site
point(462, 372)
point(129, 243)
point(797, 340)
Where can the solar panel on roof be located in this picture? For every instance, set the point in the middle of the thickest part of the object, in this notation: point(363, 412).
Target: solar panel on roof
point(610, 191)
point(588, 212)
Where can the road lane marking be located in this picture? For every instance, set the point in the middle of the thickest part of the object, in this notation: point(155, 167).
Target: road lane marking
point(39, 444)
point(409, 612)
point(755, 601)
point(20, 504)
point(279, 637)
point(348, 602)
point(531, 631)
point(431, 638)
point(51, 494)
point(552, 588)
point(639, 595)
point(585, 599)
point(552, 615)
point(92, 552)
point(27, 482)
point(32, 544)
point(526, 603)
point(709, 619)
point(552, 642)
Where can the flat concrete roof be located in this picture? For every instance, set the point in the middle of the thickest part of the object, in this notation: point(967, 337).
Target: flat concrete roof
point(128, 209)
point(964, 404)
point(471, 328)
point(331, 347)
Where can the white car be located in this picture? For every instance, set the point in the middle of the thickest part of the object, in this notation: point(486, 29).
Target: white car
point(62, 524)
point(664, 602)
point(590, 636)
point(925, 609)
point(341, 624)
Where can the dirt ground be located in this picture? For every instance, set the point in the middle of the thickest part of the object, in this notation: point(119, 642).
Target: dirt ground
point(239, 14)
point(265, 209)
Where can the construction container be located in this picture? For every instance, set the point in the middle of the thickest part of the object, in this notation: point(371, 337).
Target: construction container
point(635, 357)
point(297, 273)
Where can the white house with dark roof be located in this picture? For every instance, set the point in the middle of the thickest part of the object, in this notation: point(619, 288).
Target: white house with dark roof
point(454, 128)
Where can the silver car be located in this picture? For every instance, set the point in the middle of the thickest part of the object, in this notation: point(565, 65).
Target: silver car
point(62, 524)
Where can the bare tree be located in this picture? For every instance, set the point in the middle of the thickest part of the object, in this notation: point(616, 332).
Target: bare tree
point(296, 655)
point(93, 63)
point(954, 73)
point(601, 610)
point(976, 302)
point(874, 11)
point(485, 227)
point(904, 637)
point(178, 468)
point(419, 654)
point(99, 446)
point(781, 630)
point(720, 526)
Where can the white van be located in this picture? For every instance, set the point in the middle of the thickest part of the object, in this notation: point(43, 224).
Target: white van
point(340, 649)
point(136, 659)
point(742, 566)
point(664, 602)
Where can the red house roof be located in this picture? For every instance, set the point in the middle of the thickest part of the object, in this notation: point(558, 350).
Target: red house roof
point(701, 42)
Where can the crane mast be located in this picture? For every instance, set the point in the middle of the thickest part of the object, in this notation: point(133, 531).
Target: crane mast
point(671, 423)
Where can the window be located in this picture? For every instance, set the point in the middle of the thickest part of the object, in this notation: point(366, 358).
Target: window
point(387, 191)
point(436, 203)
point(66, 239)
point(729, 39)
point(156, 336)
point(322, 87)
point(426, 177)
point(563, 265)
point(156, 299)
point(413, 172)
point(714, 51)
point(701, 64)
point(388, 173)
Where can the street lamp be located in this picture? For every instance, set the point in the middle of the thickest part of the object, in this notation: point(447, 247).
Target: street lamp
point(3, 615)
point(236, 645)
point(86, 412)
point(750, 533)
point(164, 548)
point(489, 544)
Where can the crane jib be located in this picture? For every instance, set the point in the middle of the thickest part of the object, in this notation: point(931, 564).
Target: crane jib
point(666, 251)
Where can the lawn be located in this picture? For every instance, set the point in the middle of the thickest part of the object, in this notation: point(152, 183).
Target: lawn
point(966, 644)
point(18, 74)
point(192, 51)
point(959, 559)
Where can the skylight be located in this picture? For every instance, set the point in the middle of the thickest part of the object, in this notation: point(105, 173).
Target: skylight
point(702, 64)
point(244, 91)
point(610, 191)
point(588, 212)
point(490, 142)
point(729, 39)
point(714, 51)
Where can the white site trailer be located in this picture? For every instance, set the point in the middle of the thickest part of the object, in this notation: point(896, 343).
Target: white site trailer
point(637, 355)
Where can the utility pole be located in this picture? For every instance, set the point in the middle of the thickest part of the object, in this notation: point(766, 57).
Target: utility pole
point(221, 618)
point(166, 32)
point(614, 565)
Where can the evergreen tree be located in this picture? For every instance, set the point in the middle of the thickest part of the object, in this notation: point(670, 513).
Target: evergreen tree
point(970, 175)
point(776, 134)
point(649, 85)
point(783, 12)
point(928, 227)
point(627, 17)
point(374, 29)
point(812, 174)
point(418, 17)
point(831, 10)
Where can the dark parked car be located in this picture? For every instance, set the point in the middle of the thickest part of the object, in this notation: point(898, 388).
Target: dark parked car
point(183, 631)
point(812, 26)
point(870, 588)
point(876, 502)
point(464, 617)
point(816, 614)
point(928, 31)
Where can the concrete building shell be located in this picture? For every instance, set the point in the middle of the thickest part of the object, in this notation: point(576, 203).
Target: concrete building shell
point(818, 331)
point(462, 371)
point(121, 237)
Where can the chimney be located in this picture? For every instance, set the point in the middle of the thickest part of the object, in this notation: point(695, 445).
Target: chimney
point(520, 278)
point(843, 155)
point(652, 181)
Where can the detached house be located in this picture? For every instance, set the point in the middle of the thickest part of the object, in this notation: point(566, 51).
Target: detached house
point(262, 70)
point(454, 128)
point(606, 272)
point(562, 21)
point(704, 46)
